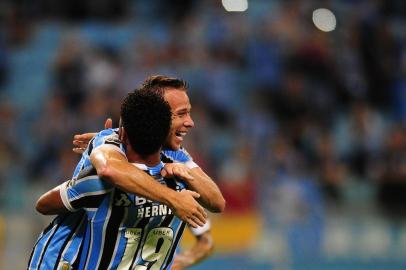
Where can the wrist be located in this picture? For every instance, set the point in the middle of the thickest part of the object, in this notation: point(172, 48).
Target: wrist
point(170, 198)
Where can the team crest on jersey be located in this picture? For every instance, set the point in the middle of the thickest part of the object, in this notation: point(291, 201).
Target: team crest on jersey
point(64, 266)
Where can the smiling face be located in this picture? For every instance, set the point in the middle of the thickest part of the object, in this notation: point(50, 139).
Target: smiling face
point(181, 118)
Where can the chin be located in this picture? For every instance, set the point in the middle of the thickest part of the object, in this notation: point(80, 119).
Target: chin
point(175, 146)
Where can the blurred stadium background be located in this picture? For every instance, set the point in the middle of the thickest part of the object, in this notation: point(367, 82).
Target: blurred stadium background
point(303, 129)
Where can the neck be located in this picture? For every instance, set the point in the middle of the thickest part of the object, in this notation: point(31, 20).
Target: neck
point(149, 160)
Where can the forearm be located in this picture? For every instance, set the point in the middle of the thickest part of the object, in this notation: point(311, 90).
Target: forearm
point(210, 194)
point(50, 203)
point(113, 167)
point(200, 250)
point(130, 179)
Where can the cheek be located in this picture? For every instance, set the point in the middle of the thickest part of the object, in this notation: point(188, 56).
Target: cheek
point(172, 129)
point(176, 124)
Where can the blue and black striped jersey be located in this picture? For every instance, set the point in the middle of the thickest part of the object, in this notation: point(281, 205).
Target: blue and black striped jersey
point(126, 231)
point(61, 244)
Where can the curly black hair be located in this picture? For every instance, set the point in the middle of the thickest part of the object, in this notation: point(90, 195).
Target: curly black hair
point(146, 118)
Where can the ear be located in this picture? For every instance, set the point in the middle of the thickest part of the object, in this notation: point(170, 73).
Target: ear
point(122, 135)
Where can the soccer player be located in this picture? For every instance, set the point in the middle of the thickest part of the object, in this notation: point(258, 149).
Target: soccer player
point(127, 231)
point(204, 244)
point(175, 93)
point(68, 220)
point(122, 224)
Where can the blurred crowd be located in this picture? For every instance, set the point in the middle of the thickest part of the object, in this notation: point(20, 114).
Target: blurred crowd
point(285, 115)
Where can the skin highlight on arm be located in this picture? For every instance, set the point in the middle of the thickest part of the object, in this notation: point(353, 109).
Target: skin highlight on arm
point(50, 203)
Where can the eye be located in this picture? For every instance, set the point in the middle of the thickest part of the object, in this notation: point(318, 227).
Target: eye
point(181, 114)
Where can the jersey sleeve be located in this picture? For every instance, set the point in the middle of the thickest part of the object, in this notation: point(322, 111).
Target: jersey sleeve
point(104, 137)
point(109, 137)
point(181, 156)
point(201, 229)
point(87, 192)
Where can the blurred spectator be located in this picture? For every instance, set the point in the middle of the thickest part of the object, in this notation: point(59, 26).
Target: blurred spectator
point(17, 17)
point(4, 65)
point(11, 155)
point(332, 171)
point(237, 183)
point(359, 138)
point(69, 71)
point(392, 181)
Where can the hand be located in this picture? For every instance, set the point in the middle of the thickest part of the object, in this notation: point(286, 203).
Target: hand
point(181, 262)
point(180, 170)
point(186, 207)
point(80, 141)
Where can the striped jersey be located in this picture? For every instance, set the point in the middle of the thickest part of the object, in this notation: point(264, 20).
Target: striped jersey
point(59, 242)
point(59, 246)
point(125, 231)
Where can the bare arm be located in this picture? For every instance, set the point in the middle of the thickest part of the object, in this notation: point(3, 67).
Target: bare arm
point(113, 167)
point(199, 181)
point(202, 248)
point(50, 203)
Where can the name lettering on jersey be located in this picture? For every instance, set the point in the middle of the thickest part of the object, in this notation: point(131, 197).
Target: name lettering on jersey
point(145, 208)
point(141, 200)
point(153, 211)
point(122, 201)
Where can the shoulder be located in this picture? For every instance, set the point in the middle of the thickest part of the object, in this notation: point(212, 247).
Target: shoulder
point(180, 155)
point(108, 137)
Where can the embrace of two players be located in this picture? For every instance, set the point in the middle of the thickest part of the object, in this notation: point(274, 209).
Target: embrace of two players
point(133, 191)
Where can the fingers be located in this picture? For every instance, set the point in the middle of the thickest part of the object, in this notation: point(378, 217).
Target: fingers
point(78, 150)
point(164, 173)
point(201, 214)
point(194, 214)
point(108, 123)
point(191, 223)
point(79, 144)
point(168, 171)
point(86, 137)
point(186, 176)
point(199, 219)
point(195, 194)
point(182, 173)
point(177, 169)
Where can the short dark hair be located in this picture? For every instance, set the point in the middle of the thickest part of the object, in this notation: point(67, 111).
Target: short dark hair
point(159, 83)
point(146, 118)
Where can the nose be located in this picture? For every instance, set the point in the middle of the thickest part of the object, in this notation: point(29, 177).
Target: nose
point(189, 122)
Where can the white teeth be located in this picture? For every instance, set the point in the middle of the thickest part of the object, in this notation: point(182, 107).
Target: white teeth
point(181, 134)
